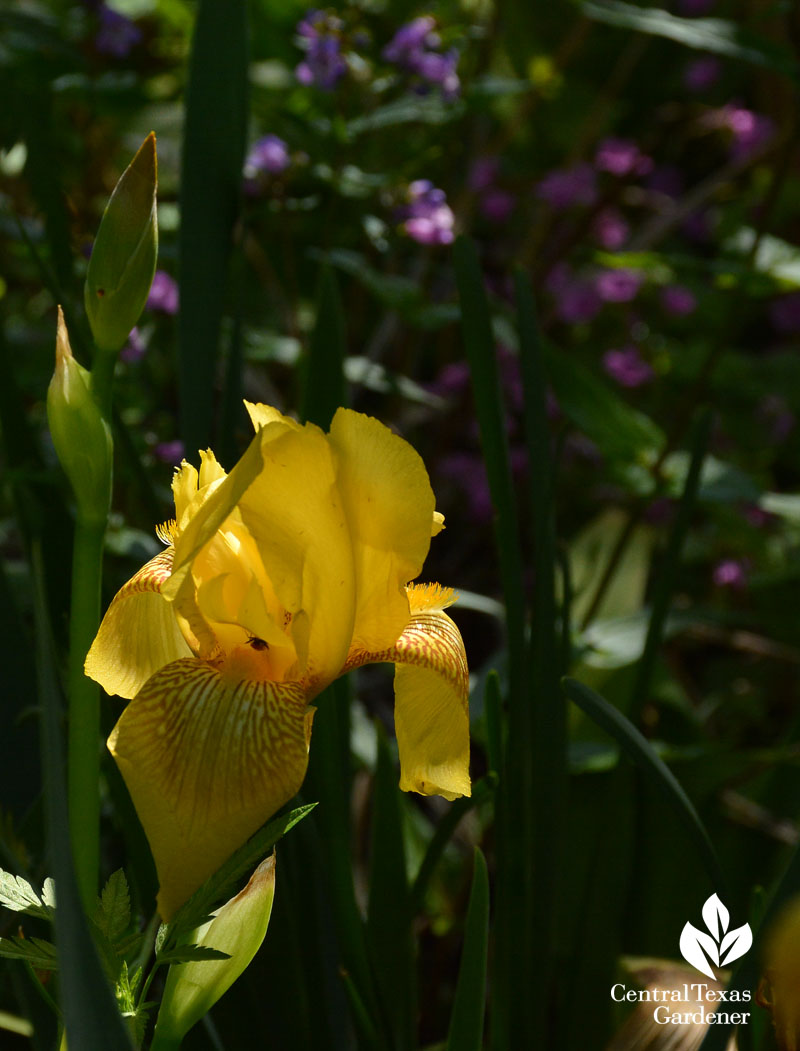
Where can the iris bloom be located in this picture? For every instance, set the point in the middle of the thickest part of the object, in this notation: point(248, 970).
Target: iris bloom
point(277, 578)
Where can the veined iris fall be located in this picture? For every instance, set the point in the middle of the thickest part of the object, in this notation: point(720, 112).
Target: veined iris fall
point(277, 578)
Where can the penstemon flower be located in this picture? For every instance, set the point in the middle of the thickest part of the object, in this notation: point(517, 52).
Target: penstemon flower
point(277, 578)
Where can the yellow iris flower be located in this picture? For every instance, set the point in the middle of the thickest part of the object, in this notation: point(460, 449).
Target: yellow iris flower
point(278, 578)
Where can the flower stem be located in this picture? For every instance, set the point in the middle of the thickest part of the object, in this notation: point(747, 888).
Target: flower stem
point(83, 760)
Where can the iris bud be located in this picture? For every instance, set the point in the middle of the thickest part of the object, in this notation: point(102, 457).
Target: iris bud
point(238, 928)
point(81, 437)
point(123, 258)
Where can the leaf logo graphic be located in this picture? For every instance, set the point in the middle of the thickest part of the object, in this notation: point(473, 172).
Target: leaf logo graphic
point(720, 946)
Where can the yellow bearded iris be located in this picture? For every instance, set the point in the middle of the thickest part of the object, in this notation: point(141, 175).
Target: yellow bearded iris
point(278, 578)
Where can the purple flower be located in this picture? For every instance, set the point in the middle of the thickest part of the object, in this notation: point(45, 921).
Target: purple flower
point(323, 65)
point(622, 157)
point(750, 131)
point(564, 187)
point(414, 48)
point(469, 474)
point(610, 229)
point(117, 34)
point(578, 302)
point(134, 349)
point(497, 205)
point(268, 154)
point(483, 173)
point(453, 378)
point(618, 286)
point(163, 293)
point(702, 73)
point(428, 218)
point(170, 452)
point(784, 313)
point(678, 300)
point(731, 573)
point(627, 367)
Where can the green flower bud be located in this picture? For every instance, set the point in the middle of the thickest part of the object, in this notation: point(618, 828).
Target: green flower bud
point(124, 254)
point(238, 928)
point(81, 436)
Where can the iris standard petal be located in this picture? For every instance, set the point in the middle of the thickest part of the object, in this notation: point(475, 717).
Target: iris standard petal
point(208, 757)
point(139, 633)
point(294, 513)
point(390, 509)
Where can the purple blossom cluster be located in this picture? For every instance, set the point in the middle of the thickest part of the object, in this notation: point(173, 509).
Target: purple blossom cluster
point(163, 296)
point(415, 48)
point(320, 36)
point(495, 203)
point(116, 35)
point(268, 156)
point(427, 218)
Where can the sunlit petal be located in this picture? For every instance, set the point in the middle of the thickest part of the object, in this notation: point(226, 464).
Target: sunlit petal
point(139, 633)
point(207, 758)
point(294, 513)
point(431, 686)
point(390, 509)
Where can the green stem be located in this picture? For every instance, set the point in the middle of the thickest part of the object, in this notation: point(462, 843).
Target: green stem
point(83, 760)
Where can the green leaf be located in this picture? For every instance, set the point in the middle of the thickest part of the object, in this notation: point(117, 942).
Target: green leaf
point(707, 34)
point(589, 555)
point(640, 752)
point(389, 933)
point(466, 1021)
point(211, 176)
point(19, 896)
point(619, 431)
point(185, 953)
point(665, 582)
point(38, 953)
point(775, 257)
point(197, 909)
point(431, 109)
point(323, 373)
point(114, 908)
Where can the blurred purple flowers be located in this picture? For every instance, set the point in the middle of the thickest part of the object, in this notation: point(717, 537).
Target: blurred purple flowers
point(702, 73)
point(415, 48)
point(678, 301)
point(750, 132)
point(618, 286)
point(163, 293)
point(731, 573)
point(427, 218)
point(117, 35)
point(622, 157)
point(320, 37)
point(565, 187)
point(627, 367)
point(268, 154)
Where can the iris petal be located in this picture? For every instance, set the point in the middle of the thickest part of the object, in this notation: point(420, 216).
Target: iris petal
point(390, 508)
point(208, 758)
point(139, 633)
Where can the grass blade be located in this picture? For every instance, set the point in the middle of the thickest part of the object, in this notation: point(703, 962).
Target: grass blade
point(213, 151)
point(388, 912)
point(91, 1017)
point(664, 586)
point(640, 752)
point(466, 1021)
point(323, 373)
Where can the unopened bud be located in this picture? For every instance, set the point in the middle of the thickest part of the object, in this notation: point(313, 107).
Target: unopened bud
point(238, 929)
point(80, 435)
point(124, 253)
point(779, 990)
